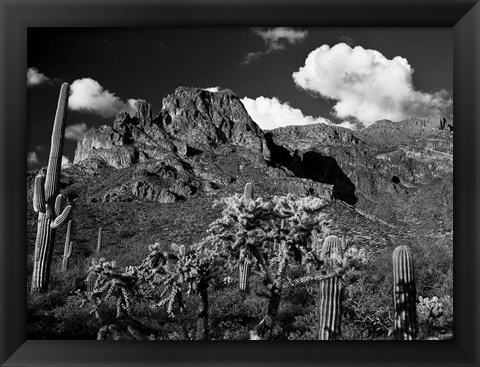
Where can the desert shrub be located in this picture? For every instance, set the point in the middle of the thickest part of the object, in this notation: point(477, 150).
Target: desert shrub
point(433, 266)
point(233, 314)
point(304, 327)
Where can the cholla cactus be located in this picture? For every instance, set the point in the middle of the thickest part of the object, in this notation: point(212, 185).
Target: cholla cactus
point(429, 309)
point(67, 252)
point(48, 202)
point(177, 271)
point(111, 282)
point(275, 232)
point(329, 301)
point(404, 294)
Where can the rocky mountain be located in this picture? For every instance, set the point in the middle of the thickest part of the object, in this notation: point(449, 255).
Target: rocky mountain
point(203, 145)
point(191, 121)
point(396, 171)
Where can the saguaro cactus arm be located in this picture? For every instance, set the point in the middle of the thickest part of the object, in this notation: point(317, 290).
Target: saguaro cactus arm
point(39, 193)
point(58, 204)
point(62, 218)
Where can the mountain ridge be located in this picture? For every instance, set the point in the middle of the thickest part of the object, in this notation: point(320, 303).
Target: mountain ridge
point(202, 142)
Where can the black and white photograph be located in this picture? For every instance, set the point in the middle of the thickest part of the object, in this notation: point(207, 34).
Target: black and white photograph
point(240, 183)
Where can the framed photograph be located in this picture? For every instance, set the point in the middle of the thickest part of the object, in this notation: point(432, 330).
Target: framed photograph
point(200, 175)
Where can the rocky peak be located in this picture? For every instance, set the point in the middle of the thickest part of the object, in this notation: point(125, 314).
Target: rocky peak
point(192, 120)
point(207, 119)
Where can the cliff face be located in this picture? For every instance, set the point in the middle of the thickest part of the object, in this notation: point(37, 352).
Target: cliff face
point(397, 171)
point(208, 119)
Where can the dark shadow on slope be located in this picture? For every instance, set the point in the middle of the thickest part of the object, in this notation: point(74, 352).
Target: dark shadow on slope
point(314, 166)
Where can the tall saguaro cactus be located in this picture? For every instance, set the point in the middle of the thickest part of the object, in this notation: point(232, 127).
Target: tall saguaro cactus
point(67, 252)
point(248, 191)
point(329, 295)
point(47, 201)
point(404, 294)
point(99, 240)
point(245, 269)
point(245, 264)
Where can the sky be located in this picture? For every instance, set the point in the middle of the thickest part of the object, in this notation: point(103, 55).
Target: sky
point(284, 76)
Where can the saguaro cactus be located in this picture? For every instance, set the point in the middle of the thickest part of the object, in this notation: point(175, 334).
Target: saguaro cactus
point(329, 295)
point(47, 201)
point(245, 268)
point(248, 191)
point(331, 249)
point(99, 240)
point(404, 294)
point(67, 251)
point(90, 282)
point(245, 264)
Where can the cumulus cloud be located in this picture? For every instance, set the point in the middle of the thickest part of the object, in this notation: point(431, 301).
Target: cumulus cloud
point(32, 159)
point(270, 113)
point(66, 162)
point(88, 95)
point(366, 86)
point(76, 131)
point(275, 39)
point(35, 77)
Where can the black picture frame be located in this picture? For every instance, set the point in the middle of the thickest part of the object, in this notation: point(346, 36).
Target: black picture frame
point(461, 15)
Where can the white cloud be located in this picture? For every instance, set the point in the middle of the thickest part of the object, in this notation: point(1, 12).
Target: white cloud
point(76, 131)
point(270, 113)
point(212, 89)
point(275, 39)
point(66, 162)
point(32, 159)
point(88, 95)
point(35, 77)
point(367, 86)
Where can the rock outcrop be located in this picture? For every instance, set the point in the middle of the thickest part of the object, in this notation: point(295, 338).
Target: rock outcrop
point(208, 119)
point(397, 171)
point(192, 120)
